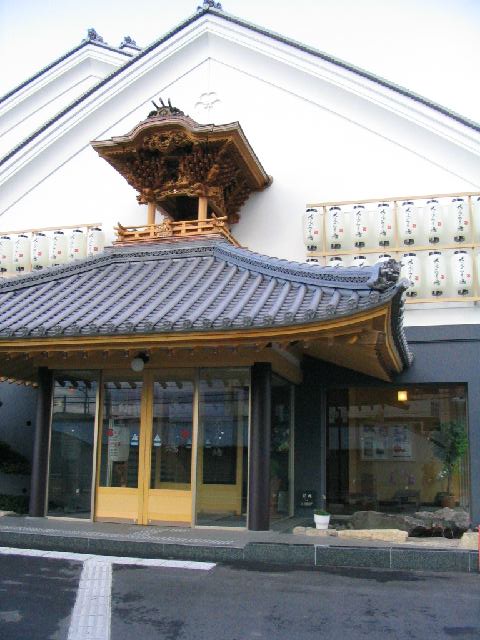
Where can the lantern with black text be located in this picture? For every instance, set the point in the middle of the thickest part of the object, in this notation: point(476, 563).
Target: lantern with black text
point(408, 226)
point(437, 273)
point(312, 229)
point(40, 258)
point(335, 227)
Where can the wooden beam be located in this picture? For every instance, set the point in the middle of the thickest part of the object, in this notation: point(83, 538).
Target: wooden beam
point(202, 208)
point(151, 210)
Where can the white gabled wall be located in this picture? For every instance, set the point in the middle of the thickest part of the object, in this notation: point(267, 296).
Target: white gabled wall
point(42, 98)
point(322, 134)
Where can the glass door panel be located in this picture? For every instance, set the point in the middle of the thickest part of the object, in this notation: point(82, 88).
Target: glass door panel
point(118, 495)
point(222, 451)
point(169, 494)
point(72, 444)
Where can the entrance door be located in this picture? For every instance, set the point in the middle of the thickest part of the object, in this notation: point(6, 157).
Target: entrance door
point(120, 479)
point(168, 450)
point(149, 436)
point(146, 449)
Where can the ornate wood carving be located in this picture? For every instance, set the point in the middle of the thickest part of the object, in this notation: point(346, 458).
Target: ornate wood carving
point(167, 157)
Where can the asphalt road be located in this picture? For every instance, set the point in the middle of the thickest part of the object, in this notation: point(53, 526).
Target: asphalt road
point(247, 602)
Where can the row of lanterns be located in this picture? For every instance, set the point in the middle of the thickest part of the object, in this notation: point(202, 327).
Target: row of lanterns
point(438, 280)
point(436, 222)
point(431, 273)
point(23, 253)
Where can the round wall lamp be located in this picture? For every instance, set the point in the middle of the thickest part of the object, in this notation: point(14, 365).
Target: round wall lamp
point(139, 362)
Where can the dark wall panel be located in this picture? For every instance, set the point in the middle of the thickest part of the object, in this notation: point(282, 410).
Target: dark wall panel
point(442, 354)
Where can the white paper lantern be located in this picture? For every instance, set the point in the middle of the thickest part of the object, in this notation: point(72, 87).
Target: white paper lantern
point(384, 224)
point(312, 229)
point(437, 273)
point(462, 267)
point(21, 253)
point(59, 248)
point(335, 227)
point(408, 219)
point(6, 255)
point(40, 257)
point(77, 245)
point(476, 216)
point(412, 271)
point(436, 221)
point(335, 261)
point(360, 225)
point(460, 219)
point(360, 261)
point(384, 257)
point(95, 241)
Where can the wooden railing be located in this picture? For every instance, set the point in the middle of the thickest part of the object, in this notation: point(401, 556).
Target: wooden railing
point(169, 229)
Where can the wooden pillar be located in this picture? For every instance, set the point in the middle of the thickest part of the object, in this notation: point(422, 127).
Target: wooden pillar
point(202, 208)
point(260, 430)
point(151, 210)
point(38, 491)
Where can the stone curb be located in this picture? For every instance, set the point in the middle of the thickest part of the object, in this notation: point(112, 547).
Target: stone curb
point(295, 555)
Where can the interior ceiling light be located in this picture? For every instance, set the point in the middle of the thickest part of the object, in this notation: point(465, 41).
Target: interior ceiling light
point(139, 362)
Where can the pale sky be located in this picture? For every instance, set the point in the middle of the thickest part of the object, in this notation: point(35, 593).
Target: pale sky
point(431, 47)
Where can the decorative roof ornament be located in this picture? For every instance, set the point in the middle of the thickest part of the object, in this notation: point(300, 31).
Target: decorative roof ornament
point(165, 111)
point(93, 36)
point(207, 101)
point(210, 4)
point(130, 43)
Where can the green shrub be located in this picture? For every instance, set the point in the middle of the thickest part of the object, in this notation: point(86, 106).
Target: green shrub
point(11, 461)
point(19, 504)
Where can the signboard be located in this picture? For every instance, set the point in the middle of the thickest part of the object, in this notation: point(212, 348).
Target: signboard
point(386, 442)
point(118, 442)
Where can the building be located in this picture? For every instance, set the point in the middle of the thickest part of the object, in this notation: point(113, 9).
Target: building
point(183, 378)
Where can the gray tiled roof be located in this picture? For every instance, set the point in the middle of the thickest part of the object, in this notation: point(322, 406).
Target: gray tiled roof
point(200, 285)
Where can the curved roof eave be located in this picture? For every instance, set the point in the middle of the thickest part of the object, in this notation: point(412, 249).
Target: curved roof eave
point(257, 29)
point(197, 290)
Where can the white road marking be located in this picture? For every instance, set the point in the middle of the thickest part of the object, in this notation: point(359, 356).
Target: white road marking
point(83, 557)
point(92, 610)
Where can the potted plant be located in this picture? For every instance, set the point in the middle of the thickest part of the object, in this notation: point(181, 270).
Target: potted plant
point(321, 518)
point(451, 442)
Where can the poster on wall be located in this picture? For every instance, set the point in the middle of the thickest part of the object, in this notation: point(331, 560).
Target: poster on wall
point(374, 442)
point(401, 437)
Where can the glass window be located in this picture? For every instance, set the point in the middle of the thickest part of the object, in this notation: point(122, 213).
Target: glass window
point(172, 433)
point(397, 449)
point(280, 448)
point(72, 444)
point(120, 433)
point(222, 455)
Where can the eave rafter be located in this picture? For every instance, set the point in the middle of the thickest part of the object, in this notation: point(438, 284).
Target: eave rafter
point(363, 343)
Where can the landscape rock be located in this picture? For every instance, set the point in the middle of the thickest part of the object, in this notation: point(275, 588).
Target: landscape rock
point(385, 535)
point(377, 520)
point(450, 523)
point(320, 533)
point(469, 540)
point(299, 530)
